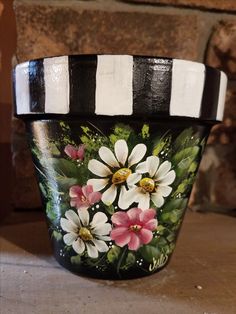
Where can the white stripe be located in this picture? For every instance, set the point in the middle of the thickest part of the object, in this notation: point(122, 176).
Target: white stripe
point(22, 88)
point(56, 76)
point(222, 94)
point(187, 88)
point(114, 85)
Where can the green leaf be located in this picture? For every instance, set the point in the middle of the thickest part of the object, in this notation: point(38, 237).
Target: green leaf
point(149, 251)
point(145, 131)
point(65, 183)
point(110, 209)
point(64, 167)
point(121, 131)
point(53, 149)
point(129, 261)
point(177, 203)
point(57, 235)
point(113, 254)
point(42, 189)
point(185, 139)
point(185, 156)
point(51, 213)
point(75, 259)
point(160, 144)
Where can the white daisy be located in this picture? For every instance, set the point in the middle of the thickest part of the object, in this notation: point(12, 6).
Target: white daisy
point(150, 181)
point(85, 235)
point(114, 174)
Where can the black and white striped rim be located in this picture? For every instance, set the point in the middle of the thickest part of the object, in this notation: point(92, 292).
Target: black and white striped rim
point(121, 85)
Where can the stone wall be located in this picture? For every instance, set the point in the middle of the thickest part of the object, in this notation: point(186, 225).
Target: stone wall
point(198, 30)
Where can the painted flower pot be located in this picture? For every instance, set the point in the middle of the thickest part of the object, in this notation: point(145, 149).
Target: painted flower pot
point(116, 142)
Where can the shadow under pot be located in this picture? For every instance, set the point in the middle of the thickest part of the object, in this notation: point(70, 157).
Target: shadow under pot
point(116, 142)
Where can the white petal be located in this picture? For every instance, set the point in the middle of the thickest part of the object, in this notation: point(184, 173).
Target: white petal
point(157, 199)
point(141, 168)
point(102, 229)
point(73, 217)
point(69, 238)
point(100, 245)
point(127, 198)
point(121, 151)
point(68, 226)
point(78, 246)
point(137, 154)
point(84, 217)
point(152, 165)
point(98, 168)
point(133, 179)
point(108, 157)
point(98, 184)
point(163, 170)
point(98, 218)
point(92, 251)
point(109, 195)
point(144, 201)
point(165, 190)
point(104, 238)
point(168, 179)
point(122, 197)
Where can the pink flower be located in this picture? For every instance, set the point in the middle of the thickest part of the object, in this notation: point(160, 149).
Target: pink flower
point(133, 227)
point(83, 197)
point(75, 152)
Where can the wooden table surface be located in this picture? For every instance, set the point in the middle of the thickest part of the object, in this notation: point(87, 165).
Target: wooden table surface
point(201, 277)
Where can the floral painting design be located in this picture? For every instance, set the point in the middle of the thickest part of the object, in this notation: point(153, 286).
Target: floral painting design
point(115, 200)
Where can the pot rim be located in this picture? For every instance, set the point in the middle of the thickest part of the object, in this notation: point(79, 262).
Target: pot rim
point(87, 84)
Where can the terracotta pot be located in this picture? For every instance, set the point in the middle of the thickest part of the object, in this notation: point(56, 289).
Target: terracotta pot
point(116, 142)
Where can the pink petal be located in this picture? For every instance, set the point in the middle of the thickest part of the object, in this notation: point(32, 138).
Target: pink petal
point(76, 202)
point(123, 239)
point(134, 242)
point(87, 189)
point(151, 224)
point(75, 191)
point(94, 197)
point(71, 151)
point(147, 214)
point(120, 219)
point(80, 152)
point(118, 231)
point(133, 214)
point(145, 236)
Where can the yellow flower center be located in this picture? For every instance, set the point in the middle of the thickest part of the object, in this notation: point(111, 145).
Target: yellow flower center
point(85, 234)
point(147, 184)
point(135, 228)
point(121, 175)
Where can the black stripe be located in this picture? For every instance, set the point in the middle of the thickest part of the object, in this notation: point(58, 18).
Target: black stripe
point(82, 72)
point(210, 94)
point(36, 86)
point(151, 86)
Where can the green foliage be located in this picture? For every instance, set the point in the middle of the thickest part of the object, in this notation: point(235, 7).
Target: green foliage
point(145, 131)
point(109, 209)
point(148, 252)
point(76, 260)
point(161, 144)
point(57, 235)
point(129, 261)
point(121, 131)
point(113, 254)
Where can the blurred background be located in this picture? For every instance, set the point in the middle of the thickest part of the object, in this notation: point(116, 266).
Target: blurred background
point(198, 30)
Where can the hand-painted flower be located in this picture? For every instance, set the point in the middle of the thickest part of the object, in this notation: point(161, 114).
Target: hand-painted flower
point(84, 235)
point(75, 153)
point(133, 227)
point(83, 197)
point(116, 171)
point(150, 181)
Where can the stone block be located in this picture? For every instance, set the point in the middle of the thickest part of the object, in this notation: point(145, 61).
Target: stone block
point(221, 52)
point(47, 28)
point(224, 5)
